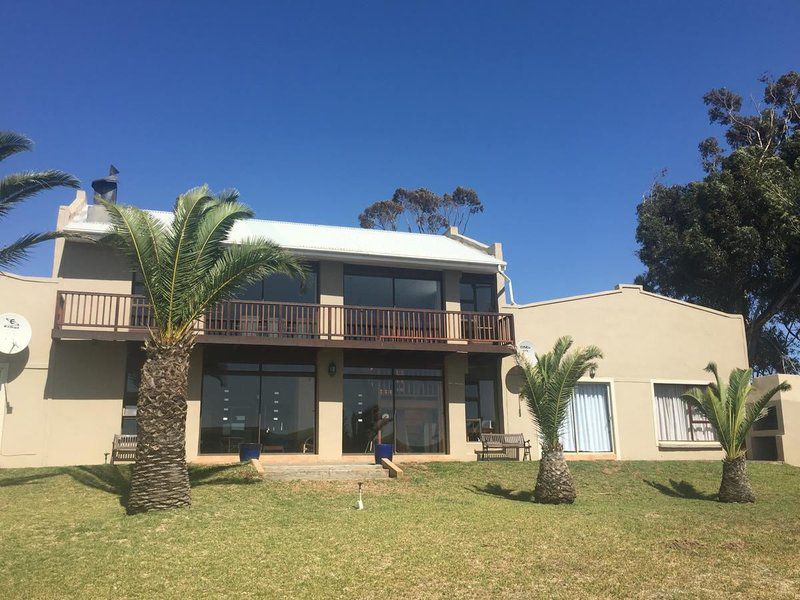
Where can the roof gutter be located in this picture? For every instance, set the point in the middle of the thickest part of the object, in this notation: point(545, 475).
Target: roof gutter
point(502, 270)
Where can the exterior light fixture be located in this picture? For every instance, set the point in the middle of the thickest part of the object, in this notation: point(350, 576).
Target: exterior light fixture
point(332, 369)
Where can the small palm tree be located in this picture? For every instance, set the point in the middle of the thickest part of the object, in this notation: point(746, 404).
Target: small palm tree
point(186, 266)
point(727, 409)
point(17, 187)
point(547, 389)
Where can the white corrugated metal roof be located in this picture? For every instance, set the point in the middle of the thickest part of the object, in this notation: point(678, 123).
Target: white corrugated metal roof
point(353, 244)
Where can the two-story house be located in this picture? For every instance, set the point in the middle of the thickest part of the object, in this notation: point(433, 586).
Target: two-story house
point(412, 335)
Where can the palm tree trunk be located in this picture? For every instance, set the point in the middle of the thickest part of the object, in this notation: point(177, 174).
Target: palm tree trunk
point(554, 483)
point(160, 479)
point(735, 486)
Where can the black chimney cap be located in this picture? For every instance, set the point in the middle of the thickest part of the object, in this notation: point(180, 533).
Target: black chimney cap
point(106, 187)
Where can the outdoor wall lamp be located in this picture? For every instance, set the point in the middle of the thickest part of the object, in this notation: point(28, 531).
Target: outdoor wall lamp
point(332, 369)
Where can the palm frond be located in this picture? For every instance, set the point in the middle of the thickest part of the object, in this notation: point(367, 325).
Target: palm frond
point(548, 385)
point(228, 195)
point(180, 251)
point(756, 409)
point(11, 143)
point(188, 264)
point(240, 264)
point(13, 254)
point(213, 230)
point(142, 238)
point(727, 407)
point(17, 187)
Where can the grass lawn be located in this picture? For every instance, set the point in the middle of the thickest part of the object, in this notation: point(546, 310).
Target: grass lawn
point(638, 529)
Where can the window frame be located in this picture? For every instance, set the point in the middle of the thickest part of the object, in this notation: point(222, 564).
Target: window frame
point(359, 360)
point(473, 279)
point(612, 416)
point(498, 399)
point(394, 274)
point(709, 444)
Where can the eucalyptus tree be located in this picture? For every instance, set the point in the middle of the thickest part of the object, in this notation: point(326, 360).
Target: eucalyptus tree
point(18, 187)
point(727, 408)
point(547, 389)
point(187, 264)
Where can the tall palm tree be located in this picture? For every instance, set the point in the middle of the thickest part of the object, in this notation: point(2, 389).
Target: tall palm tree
point(547, 389)
point(17, 187)
point(727, 409)
point(186, 266)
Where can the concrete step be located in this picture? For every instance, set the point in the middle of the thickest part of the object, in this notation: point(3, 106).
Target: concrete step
point(333, 472)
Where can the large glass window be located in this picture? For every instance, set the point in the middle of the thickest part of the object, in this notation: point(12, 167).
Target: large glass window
point(477, 293)
point(282, 288)
point(130, 396)
point(405, 405)
point(588, 424)
point(677, 420)
point(480, 396)
point(267, 403)
point(396, 288)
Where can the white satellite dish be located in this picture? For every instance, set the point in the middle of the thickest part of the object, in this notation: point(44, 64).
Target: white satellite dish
point(526, 350)
point(15, 333)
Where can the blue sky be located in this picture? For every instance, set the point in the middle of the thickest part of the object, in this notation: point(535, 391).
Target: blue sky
point(559, 114)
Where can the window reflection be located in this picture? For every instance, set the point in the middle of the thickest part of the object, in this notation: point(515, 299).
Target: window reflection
point(399, 289)
point(273, 405)
point(405, 404)
point(480, 397)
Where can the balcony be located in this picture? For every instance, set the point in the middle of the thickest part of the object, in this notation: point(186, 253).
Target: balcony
point(94, 315)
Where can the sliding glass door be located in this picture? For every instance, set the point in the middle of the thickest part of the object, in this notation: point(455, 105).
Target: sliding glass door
point(404, 405)
point(588, 425)
point(270, 404)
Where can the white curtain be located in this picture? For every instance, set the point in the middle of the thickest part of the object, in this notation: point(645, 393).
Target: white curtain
point(588, 424)
point(673, 416)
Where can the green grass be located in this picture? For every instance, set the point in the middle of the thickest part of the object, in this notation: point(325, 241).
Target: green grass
point(446, 530)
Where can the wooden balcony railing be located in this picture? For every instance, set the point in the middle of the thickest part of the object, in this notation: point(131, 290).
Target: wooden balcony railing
point(126, 313)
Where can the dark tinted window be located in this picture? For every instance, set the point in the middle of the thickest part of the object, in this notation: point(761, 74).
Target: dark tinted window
point(477, 293)
point(393, 288)
point(366, 290)
point(417, 293)
point(282, 288)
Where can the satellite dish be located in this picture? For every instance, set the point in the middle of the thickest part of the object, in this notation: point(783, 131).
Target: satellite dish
point(15, 333)
point(526, 350)
point(514, 379)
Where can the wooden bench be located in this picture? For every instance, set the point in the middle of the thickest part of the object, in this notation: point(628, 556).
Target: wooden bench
point(503, 446)
point(123, 448)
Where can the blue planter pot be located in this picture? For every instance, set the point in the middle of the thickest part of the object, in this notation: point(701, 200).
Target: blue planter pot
point(383, 451)
point(249, 451)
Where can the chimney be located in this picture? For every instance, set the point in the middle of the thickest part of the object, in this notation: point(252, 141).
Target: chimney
point(106, 188)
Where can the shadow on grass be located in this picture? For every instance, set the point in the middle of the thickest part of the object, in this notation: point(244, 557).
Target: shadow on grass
point(25, 479)
point(106, 478)
point(495, 489)
point(221, 475)
point(680, 489)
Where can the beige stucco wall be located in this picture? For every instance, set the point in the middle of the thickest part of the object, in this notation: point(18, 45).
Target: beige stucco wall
point(645, 338)
point(787, 404)
point(63, 401)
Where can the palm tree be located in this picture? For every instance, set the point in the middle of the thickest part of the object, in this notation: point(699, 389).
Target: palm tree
point(17, 187)
point(547, 389)
point(727, 409)
point(186, 266)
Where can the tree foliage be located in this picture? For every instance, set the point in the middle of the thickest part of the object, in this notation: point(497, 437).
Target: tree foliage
point(18, 187)
point(731, 241)
point(422, 210)
point(186, 264)
point(727, 409)
point(548, 385)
